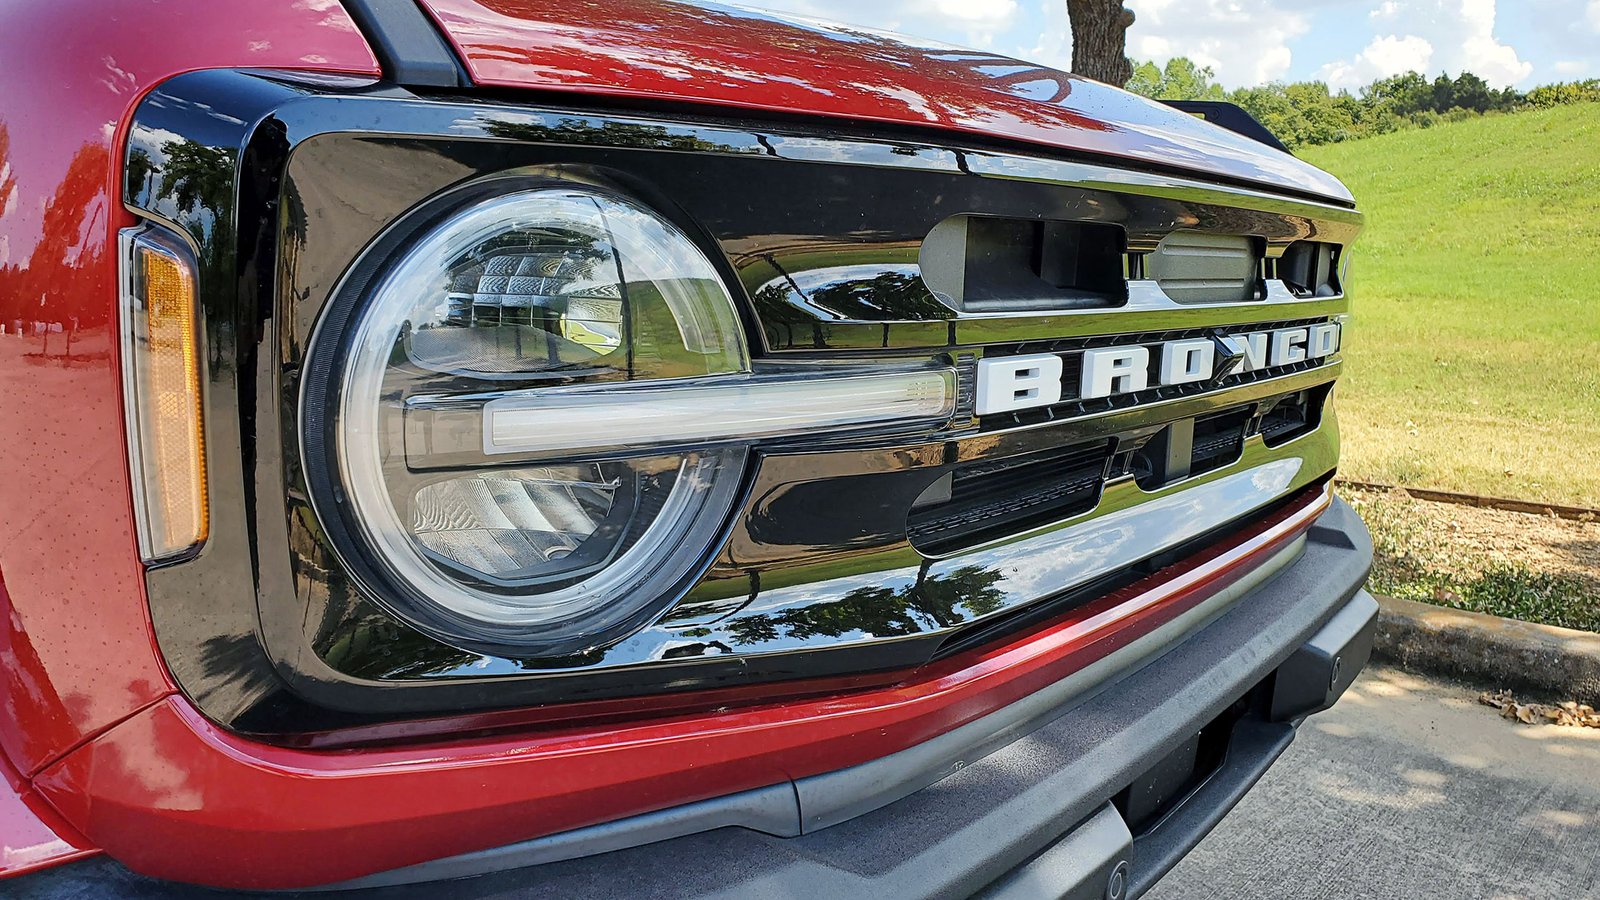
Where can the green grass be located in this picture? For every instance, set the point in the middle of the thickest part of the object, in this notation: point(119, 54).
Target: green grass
point(1474, 355)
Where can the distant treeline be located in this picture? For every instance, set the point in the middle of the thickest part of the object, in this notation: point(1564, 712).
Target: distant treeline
point(1306, 112)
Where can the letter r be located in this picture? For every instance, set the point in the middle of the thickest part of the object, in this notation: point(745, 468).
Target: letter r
point(1115, 370)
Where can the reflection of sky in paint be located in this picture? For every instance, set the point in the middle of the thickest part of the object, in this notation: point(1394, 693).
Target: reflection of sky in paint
point(1342, 41)
point(817, 279)
point(1039, 89)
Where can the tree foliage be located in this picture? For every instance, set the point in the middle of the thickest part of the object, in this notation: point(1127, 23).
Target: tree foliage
point(1308, 112)
point(1561, 94)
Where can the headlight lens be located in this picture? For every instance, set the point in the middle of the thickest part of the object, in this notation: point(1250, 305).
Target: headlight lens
point(530, 290)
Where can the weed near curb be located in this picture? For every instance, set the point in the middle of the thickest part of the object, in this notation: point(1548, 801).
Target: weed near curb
point(1419, 556)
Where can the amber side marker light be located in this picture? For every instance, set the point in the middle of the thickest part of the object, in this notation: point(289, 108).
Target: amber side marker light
point(161, 373)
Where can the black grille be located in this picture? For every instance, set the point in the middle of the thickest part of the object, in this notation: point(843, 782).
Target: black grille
point(1292, 415)
point(1003, 497)
point(1219, 439)
point(994, 499)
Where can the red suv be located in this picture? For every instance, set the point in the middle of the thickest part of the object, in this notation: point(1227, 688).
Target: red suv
point(649, 448)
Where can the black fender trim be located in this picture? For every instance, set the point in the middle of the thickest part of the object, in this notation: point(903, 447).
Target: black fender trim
point(1231, 117)
point(408, 44)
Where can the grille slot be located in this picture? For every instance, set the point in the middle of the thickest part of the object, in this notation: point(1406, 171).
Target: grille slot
point(995, 264)
point(1293, 415)
point(1218, 439)
point(999, 498)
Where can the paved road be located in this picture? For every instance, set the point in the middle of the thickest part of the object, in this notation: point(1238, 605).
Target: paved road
point(1410, 789)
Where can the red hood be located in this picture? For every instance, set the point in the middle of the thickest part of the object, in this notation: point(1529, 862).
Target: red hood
point(703, 53)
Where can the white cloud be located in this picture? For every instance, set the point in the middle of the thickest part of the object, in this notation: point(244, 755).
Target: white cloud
point(1571, 68)
point(1458, 34)
point(1054, 45)
point(1245, 44)
point(1593, 15)
point(979, 21)
point(991, 13)
point(1385, 56)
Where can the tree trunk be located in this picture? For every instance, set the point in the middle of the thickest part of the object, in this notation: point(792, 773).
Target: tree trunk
point(1100, 40)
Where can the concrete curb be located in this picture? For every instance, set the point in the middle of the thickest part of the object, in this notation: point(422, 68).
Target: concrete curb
point(1496, 652)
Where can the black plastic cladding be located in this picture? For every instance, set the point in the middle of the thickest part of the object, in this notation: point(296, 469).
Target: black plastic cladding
point(410, 48)
point(268, 634)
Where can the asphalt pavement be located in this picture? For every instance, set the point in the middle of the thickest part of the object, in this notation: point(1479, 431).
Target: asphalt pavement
point(1411, 789)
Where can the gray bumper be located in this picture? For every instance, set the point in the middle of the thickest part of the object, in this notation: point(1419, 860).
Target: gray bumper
point(1014, 805)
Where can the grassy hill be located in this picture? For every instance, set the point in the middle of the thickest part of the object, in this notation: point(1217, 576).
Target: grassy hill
point(1474, 355)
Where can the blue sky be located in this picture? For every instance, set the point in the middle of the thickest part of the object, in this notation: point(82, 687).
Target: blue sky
point(1346, 43)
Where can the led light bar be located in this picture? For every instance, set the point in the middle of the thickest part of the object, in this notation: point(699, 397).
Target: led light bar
point(161, 359)
point(601, 418)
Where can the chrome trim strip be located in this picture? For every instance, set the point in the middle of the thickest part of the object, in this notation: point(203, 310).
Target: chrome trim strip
point(1137, 527)
point(1146, 295)
point(1148, 309)
point(718, 409)
point(1127, 526)
point(127, 310)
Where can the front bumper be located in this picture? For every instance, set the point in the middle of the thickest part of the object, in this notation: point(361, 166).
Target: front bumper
point(1033, 800)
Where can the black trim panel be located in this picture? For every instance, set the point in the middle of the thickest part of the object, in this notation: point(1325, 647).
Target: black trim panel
point(269, 635)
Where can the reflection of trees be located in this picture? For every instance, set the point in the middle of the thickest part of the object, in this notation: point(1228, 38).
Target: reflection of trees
point(11, 291)
point(576, 130)
point(375, 646)
point(60, 280)
point(889, 294)
point(8, 177)
point(929, 604)
point(199, 180)
point(141, 169)
point(196, 177)
point(972, 587)
point(781, 317)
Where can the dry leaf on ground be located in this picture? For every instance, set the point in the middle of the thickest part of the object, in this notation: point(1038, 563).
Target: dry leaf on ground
point(1575, 715)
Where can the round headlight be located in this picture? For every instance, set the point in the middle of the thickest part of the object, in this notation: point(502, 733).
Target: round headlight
point(524, 297)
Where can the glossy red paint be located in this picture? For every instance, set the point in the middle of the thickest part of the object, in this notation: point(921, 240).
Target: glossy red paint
point(75, 641)
point(168, 794)
point(702, 53)
point(34, 835)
